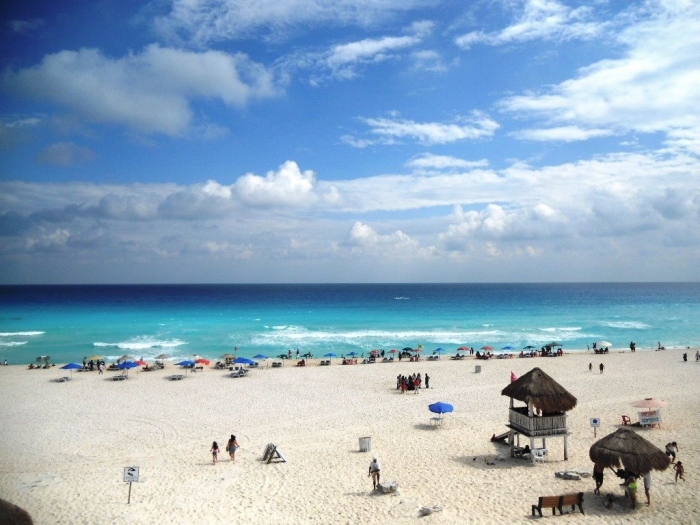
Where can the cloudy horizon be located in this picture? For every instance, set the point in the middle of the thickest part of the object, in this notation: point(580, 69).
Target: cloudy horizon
point(350, 141)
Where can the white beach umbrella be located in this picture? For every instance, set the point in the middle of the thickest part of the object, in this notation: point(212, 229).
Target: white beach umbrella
point(604, 344)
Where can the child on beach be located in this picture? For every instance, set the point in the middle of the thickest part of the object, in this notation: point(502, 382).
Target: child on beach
point(215, 453)
point(680, 470)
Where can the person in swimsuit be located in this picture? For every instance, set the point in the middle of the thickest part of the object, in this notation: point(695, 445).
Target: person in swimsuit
point(680, 470)
point(231, 447)
point(374, 470)
point(214, 452)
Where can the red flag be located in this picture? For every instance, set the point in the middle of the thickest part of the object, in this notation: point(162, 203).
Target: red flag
point(513, 377)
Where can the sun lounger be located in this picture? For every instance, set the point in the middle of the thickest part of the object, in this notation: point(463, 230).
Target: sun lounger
point(177, 377)
point(276, 364)
point(63, 379)
point(119, 378)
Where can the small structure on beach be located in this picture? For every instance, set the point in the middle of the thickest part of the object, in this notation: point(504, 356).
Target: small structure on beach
point(544, 415)
point(626, 448)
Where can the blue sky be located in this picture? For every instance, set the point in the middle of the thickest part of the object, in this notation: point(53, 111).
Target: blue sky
point(349, 141)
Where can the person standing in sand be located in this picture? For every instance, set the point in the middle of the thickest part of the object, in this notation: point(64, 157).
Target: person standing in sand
point(214, 453)
point(598, 474)
point(427, 380)
point(231, 447)
point(374, 470)
point(601, 367)
point(590, 367)
point(647, 487)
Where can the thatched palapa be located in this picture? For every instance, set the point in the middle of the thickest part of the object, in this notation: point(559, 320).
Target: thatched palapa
point(624, 447)
point(542, 391)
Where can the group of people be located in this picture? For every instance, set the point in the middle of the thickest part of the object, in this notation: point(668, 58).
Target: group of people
point(412, 382)
point(630, 478)
point(231, 447)
point(601, 367)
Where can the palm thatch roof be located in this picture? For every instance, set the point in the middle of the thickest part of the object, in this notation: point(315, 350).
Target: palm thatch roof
point(629, 448)
point(11, 513)
point(542, 391)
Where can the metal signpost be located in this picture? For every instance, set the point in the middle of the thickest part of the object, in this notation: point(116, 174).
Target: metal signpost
point(131, 475)
point(595, 423)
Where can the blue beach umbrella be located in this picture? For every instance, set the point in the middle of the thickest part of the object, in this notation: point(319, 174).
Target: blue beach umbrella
point(438, 350)
point(330, 354)
point(126, 365)
point(440, 407)
point(260, 356)
point(185, 363)
point(353, 354)
point(507, 347)
point(71, 367)
point(243, 361)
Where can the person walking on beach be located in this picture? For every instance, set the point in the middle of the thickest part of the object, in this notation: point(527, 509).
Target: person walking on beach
point(672, 450)
point(214, 453)
point(601, 367)
point(374, 470)
point(680, 470)
point(231, 447)
point(697, 356)
point(427, 380)
point(590, 367)
point(685, 357)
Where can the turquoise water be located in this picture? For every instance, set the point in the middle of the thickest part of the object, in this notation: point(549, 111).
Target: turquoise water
point(70, 322)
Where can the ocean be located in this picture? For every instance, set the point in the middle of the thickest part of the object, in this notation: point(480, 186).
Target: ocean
point(71, 322)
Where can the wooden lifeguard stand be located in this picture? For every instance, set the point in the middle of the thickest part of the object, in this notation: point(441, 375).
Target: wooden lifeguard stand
point(544, 396)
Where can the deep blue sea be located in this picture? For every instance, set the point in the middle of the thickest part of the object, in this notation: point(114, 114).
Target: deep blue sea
point(70, 322)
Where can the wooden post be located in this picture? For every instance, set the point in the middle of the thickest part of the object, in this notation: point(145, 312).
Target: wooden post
point(128, 501)
point(532, 447)
point(566, 454)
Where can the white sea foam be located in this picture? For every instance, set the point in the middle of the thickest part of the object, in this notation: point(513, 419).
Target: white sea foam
point(634, 325)
point(23, 334)
point(562, 329)
point(13, 343)
point(143, 343)
point(400, 298)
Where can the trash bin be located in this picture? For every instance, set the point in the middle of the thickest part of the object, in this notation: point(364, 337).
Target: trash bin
point(477, 369)
point(365, 444)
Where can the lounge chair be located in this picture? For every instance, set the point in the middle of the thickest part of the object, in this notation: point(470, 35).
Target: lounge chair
point(276, 364)
point(176, 377)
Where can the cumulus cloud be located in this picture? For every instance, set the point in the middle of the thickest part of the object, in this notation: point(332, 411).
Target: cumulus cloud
point(392, 130)
point(286, 186)
point(65, 154)
point(148, 92)
point(205, 21)
point(539, 20)
point(653, 87)
point(362, 235)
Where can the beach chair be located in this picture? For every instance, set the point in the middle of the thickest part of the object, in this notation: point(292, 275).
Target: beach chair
point(539, 454)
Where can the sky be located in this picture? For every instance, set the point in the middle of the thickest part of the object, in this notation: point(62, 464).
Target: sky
point(272, 141)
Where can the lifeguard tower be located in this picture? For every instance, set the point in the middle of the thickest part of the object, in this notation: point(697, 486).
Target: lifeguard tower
point(544, 415)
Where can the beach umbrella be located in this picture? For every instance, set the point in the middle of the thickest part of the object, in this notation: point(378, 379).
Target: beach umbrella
point(162, 356)
point(627, 448)
point(554, 343)
point(228, 356)
point(542, 391)
point(260, 356)
point(438, 350)
point(125, 357)
point(650, 402)
point(127, 365)
point(463, 349)
point(487, 347)
point(604, 344)
point(330, 354)
point(94, 358)
point(507, 347)
point(408, 349)
point(353, 354)
point(141, 363)
point(71, 367)
point(393, 351)
point(185, 363)
point(440, 407)
point(243, 361)
point(203, 361)
point(528, 347)
point(374, 352)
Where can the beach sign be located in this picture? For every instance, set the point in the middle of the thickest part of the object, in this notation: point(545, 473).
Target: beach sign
point(131, 475)
point(595, 423)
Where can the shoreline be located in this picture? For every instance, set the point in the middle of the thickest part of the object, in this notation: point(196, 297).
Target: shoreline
point(65, 445)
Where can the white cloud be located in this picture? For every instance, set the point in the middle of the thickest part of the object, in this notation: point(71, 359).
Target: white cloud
point(287, 186)
point(392, 130)
point(65, 154)
point(148, 92)
point(343, 58)
point(430, 161)
point(539, 20)
point(561, 134)
point(364, 236)
point(653, 87)
point(205, 21)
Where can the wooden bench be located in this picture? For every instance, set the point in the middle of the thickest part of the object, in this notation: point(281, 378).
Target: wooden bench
point(558, 502)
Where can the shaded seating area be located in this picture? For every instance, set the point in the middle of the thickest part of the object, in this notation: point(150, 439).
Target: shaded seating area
point(325, 362)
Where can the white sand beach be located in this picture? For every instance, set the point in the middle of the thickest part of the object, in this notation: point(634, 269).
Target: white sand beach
point(64, 445)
